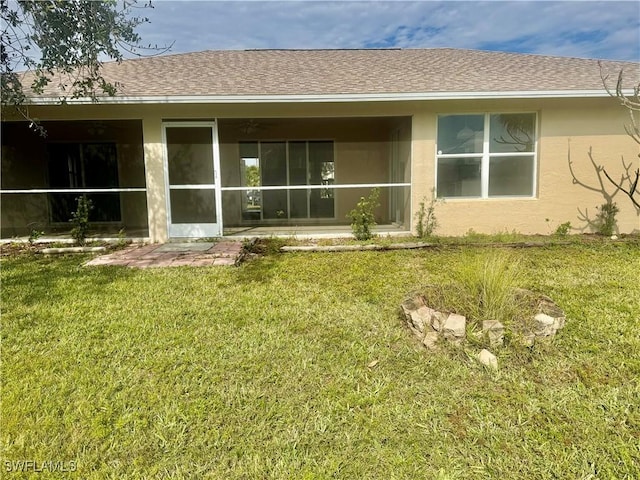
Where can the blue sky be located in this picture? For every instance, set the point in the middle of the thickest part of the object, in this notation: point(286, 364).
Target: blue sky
point(588, 29)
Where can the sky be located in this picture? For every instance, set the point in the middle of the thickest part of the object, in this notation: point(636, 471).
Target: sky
point(585, 29)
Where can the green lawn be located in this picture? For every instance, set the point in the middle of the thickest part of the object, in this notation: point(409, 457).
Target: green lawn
point(262, 372)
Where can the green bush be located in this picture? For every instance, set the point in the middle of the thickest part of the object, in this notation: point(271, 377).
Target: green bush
point(80, 219)
point(426, 221)
point(563, 229)
point(362, 217)
point(606, 218)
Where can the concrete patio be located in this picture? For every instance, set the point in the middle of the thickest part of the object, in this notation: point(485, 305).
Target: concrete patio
point(196, 254)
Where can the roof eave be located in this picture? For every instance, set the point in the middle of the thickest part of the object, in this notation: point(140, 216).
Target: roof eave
point(327, 98)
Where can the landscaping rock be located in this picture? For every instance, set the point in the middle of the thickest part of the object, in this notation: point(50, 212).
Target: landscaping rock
point(438, 320)
point(544, 325)
point(454, 328)
point(488, 359)
point(558, 322)
point(528, 339)
point(428, 325)
point(430, 340)
point(421, 318)
point(494, 332)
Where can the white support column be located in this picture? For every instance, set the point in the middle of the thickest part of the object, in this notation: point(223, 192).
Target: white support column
point(154, 176)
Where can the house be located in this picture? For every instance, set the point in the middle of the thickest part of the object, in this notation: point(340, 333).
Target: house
point(287, 141)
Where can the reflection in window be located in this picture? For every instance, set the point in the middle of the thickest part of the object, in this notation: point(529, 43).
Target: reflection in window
point(513, 132)
point(250, 177)
point(328, 178)
point(459, 177)
point(460, 134)
point(487, 155)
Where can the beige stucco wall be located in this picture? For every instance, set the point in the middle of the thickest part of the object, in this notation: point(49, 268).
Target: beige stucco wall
point(580, 123)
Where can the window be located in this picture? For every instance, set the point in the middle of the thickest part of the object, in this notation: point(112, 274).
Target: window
point(287, 164)
point(83, 165)
point(486, 155)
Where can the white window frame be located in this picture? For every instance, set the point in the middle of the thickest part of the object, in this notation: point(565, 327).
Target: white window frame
point(486, 156)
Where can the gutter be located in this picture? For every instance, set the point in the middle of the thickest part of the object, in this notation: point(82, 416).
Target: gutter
point(326, 98)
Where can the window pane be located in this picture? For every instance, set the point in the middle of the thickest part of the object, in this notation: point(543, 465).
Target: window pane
point(513, 132)
point(321, 172)
point(274, 204)
point(64, 165)
point(297, 163)
point(274, 163)
point(299, 207)
point(460, 134)
point(459, 177)
point(100, 165)
point(250, 177)
point(511, 176)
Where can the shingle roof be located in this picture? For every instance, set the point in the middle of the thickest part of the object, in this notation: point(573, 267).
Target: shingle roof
point(334, 72)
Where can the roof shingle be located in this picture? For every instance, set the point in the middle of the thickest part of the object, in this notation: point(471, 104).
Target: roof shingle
point(334, 72)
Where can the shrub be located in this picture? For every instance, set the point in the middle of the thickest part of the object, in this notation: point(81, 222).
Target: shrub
point(606, 218)
point(562, 230)
point(362, 217)
point(34, 236)
point(80, 219)
point(426, 221)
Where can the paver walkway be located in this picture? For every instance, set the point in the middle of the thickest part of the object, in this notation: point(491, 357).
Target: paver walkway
point(173, 255)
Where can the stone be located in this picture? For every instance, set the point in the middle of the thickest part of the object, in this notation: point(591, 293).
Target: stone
point(488, 359)
point(421, 318)
point(544, 325)
point(528, 339)
point(438, 319)
point(558, 322)
point(430, 340)
point(413, 303)
point(494, 331)
point(454, 327)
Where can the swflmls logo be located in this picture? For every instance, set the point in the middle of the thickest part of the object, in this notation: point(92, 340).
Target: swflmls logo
point(39, 466)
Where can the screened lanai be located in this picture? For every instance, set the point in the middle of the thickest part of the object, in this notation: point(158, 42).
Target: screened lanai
point(305, 175)
point(205, 177)
point(44, 173)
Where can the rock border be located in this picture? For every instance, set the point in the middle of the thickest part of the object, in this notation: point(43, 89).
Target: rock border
point(433, 327)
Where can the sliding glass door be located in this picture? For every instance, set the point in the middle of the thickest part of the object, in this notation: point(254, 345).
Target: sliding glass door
point(293, 166)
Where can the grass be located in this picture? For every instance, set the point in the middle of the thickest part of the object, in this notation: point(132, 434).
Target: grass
point(262, 371)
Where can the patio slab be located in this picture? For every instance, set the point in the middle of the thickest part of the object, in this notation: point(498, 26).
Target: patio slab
point(203, 254)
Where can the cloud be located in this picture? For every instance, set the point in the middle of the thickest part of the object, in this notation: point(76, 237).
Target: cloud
point(607, 29)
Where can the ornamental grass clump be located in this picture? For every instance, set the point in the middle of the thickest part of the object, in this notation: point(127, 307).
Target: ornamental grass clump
point(488, 286)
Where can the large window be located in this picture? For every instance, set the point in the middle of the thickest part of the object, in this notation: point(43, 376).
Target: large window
point(79, 166)
point(486, 155)
point(287, 164)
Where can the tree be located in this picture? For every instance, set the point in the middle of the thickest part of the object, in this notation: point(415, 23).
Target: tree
point(628, 182)
point(72, 39)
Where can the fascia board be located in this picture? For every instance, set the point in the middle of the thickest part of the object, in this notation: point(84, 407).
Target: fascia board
point(328, 98)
